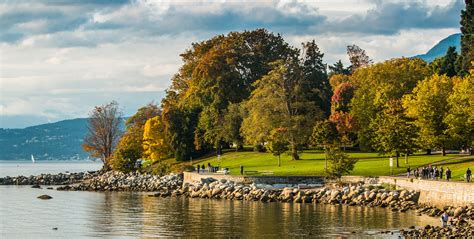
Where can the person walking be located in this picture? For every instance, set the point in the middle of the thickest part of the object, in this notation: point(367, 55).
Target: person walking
point(444, 219)
point(408, 172)
point(468, 175)
point(448, 174)
point(441, 173)
point(198, 167)
point(241, 170)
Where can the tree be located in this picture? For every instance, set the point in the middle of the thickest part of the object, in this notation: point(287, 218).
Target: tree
point(394, 132)
point(316, 78)
point(130, 146)
point(338, 79)
point(428, 106)
point(460, 117)
point(280, 100)
point(325, 134)
point(340, 163)
point(154, 144)
point(277, 144)
point(339, 69)
point(231, 126)
point(446, 64)
point(467, 37)
point(128, 151)
point(103, 132)
point(357, 57)
point(377, 85)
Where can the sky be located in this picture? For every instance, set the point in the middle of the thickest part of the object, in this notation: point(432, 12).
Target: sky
point(60, 58)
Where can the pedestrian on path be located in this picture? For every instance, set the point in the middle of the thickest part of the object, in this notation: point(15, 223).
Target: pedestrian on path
point(468, 175)
point(448, 174)
point(444, 219)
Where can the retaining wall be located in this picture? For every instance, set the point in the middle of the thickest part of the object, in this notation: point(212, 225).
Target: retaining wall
point(436, 193)
point(191, 177)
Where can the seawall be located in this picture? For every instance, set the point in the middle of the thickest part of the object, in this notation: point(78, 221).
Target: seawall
point(434, 193)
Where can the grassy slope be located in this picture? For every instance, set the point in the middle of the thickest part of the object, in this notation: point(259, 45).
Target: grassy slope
point(312, 163)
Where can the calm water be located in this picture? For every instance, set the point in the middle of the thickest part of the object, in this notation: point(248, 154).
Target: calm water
point(27, 168)
point(132, 215)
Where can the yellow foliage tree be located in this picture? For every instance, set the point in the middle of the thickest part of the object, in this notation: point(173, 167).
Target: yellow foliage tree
point(154, 147)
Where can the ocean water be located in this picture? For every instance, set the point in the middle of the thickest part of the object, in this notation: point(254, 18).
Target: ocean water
point(27, 168)
point(137, 215)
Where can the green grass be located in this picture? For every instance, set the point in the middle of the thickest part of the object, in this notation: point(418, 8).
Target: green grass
point(312, 163)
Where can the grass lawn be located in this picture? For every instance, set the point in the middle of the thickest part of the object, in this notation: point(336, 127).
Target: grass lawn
point(312, 163)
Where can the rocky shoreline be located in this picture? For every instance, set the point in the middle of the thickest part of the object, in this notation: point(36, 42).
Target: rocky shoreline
point(462, 218)
point(49, 179)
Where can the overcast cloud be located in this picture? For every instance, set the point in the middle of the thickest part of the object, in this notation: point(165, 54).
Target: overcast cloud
point(60, 58)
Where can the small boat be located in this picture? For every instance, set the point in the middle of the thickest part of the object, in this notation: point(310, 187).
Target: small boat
point(32, 159)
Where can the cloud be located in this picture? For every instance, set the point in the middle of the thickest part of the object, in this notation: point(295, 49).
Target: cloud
point(389, 18)
point(59, 58)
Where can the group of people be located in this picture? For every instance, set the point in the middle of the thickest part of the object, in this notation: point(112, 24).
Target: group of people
point(435, 173)
point(210, 168)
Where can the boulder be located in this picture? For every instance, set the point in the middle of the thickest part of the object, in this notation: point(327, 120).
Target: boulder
point(45, 197)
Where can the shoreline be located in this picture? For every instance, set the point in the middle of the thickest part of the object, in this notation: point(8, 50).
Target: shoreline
point(173, 185)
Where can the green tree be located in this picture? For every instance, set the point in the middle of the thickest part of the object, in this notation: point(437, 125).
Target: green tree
point(428, 106)
point(395, 133)
point(339, 69)
point(277, 144)
point(377, 85)
point(460, 117)
point(128, 151)
point(326, 135)
point(446, 64)
point(467, 38)
point(231, 126)
point(316, 78)
point(340, 163)
point(280, 101)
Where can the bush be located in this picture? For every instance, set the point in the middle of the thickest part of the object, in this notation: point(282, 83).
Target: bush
point(189, 168)
point(123, 164)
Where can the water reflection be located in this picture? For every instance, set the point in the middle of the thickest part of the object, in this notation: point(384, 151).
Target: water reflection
point(79, 214)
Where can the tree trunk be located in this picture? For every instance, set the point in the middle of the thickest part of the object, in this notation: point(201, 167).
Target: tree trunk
point(325, 159)
point(279, 161)
point(428, 151)
point(444, 151)
point(397, 154)
point(406, 158)
point(294, 150)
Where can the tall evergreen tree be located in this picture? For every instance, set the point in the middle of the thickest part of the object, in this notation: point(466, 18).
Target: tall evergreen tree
point(467, 37)
point(339, 69)
point(314, 70)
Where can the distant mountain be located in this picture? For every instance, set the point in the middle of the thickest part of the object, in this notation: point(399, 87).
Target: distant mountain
point(441, 48)
point(55, 141)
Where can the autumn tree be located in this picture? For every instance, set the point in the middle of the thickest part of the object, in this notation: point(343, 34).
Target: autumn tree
point(233, 117)
point(154, 145)
point(280, 100)
point(428, 106)
point(103, 132)
point(358, 57)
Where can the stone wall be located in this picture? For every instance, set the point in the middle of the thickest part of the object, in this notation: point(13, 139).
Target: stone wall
point(435, 193)
point(191, 176)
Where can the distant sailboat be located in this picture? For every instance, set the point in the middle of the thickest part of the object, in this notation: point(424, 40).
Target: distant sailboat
point(32, 159)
